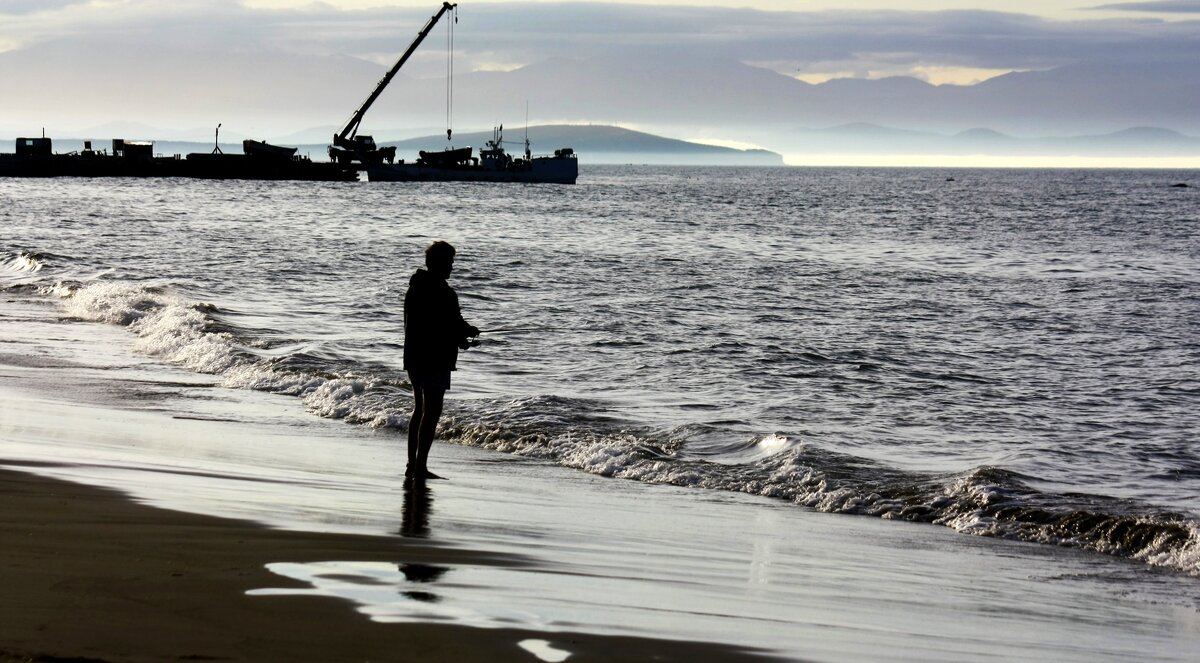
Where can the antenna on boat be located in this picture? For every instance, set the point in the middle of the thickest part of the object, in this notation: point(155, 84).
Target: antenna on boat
point(528, 154)
point(217, 141)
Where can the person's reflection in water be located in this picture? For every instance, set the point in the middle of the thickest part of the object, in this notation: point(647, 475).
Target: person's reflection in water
point(415, 523)
point(414, 514)
point(421, 573)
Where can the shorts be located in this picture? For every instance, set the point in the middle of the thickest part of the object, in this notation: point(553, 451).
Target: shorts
point(439, 380)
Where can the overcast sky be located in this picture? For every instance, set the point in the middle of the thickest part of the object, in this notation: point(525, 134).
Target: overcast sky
point(113, 48)
point(953, 41)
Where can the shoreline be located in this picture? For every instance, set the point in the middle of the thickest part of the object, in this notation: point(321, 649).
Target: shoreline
point(89, 574)
point(297, 509)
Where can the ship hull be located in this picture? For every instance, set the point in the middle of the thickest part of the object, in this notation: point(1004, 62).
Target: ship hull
point(202, 166)
point(540, 170)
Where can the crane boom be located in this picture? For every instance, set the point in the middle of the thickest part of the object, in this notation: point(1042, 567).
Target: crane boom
point(345, 138)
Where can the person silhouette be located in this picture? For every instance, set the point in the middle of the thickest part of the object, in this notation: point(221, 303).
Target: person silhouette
point(434, 331)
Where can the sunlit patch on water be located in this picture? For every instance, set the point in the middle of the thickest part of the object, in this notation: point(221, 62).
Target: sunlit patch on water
point(482, 596)
point(544, 650)
point(399, 593)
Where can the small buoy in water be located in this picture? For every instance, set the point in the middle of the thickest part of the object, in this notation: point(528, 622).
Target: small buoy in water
point(949, 179)
point(1180, 185)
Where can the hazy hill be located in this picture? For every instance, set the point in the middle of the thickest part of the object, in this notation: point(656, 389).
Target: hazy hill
point(601, 144)
point(873, 139)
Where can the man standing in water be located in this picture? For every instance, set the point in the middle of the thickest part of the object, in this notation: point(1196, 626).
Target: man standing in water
point(434, 330)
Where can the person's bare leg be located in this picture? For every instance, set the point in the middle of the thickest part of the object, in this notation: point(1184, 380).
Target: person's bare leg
point(431, 412)
point(414, 432)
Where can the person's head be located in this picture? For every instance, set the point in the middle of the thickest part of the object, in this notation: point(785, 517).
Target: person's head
point(439, 258)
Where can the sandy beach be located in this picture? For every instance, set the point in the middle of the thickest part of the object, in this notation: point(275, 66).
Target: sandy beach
point(90, 575)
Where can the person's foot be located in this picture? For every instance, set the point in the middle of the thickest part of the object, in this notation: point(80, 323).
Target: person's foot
point(430, 475)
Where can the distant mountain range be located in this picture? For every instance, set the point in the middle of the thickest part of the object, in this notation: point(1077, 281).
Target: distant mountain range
point(615, 145)
point(779, 112)
point(862, 138)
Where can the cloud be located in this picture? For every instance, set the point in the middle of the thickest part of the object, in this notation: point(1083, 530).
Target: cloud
point(20, 7)
point(894, 41)
point(1161, 7)
point(506, 35)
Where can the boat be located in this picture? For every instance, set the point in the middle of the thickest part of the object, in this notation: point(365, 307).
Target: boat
point(35, 157)
point(493, 164)
point(265, 150)
point(262, 161)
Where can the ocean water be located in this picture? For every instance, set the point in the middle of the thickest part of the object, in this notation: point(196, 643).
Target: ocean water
point(1007, 353)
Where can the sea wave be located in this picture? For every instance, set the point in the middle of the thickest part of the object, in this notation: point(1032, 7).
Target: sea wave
point(20, 271)
point(984, 501)
point(24, 262)
point(582, 434)
point(169, 326)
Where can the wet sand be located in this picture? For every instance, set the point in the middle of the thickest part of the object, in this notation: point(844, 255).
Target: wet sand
point(88, 574)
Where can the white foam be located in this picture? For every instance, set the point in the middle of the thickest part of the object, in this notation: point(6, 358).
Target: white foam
point(336, 398)
point(1186, 557)
point(167, 326)
point(773, 443)
point(58, 289)
point(25, 262)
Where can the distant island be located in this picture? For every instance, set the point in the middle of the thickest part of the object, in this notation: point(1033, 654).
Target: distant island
point(601, 144)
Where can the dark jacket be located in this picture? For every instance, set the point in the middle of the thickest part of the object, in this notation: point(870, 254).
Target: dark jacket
point(433, 325)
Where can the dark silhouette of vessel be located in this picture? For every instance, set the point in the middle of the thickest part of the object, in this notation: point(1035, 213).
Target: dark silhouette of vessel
point(493, 164)
point(35, 157)
point(455, 164)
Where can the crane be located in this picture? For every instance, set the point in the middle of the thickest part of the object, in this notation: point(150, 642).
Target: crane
point(348, 146)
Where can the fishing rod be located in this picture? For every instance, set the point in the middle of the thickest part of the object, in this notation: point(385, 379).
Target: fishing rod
point(511, 330)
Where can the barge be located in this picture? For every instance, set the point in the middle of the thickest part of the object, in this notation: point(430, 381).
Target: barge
point(35, 157)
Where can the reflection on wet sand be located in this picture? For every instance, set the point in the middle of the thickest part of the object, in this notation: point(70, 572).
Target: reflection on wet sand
point(414, 513)
point(422, 573)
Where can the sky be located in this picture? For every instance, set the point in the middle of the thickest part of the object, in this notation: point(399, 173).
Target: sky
point(958, 42)
point(949, 41)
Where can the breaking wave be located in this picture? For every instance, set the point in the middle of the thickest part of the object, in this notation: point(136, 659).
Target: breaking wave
point(581, 434)
point(25, 262)
point(984, 501)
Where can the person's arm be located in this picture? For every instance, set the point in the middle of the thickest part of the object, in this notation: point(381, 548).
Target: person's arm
point(465, 330)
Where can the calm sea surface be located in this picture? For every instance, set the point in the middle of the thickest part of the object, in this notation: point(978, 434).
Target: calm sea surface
point(1012, 353)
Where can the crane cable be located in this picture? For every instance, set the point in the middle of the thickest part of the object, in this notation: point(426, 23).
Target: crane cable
point(450, 73)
